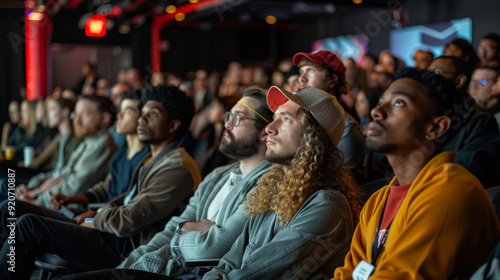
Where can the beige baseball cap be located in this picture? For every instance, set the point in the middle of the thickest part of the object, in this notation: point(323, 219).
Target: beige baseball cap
point(323, 106)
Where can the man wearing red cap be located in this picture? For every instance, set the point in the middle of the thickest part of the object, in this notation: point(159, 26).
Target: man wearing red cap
point(324, 70)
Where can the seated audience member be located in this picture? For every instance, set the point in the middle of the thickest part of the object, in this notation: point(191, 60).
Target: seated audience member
point(387, 59)
point(475, 136)
point(10, 126)
point(115, 96)
point(495, 101)
point(481, 85)
point(58, 152)
point(41, 112)
point(277, 78)
point(69, 94)
point(88, 90)
point(381, 77)
point(51, 133)
point(55, 156)
point(88, 163)
point(122, 167)
point(32, 134)
point(157, 78)
point(422, 59)
point(364, 104)
point(102, 87)
point(368, 62)
point(304, 207)
point(435, 215)
point(356, 78)
point(453, 69)
point(161, 183)
point(211, 222)
point(133, 78)
point(489, 50)
point(292, 79)
point(89, 72)
point(200, 89)
point(462, 49)
point(323, 70)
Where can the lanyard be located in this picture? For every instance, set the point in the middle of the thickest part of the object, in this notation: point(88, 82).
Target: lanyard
point(376, 248)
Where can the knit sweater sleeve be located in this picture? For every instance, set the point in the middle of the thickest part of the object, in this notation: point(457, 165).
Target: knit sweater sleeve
point(215, 242)
point(319, 232)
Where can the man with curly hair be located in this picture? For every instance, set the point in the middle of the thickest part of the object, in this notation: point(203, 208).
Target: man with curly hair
point(302, 211)
point(434, 220)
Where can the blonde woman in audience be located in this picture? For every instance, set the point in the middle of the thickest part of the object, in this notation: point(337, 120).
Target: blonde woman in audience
point(32, 133)
point(12, 125)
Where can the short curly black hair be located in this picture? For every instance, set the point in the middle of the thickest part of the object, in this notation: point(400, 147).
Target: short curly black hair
point(441, 90)
point(178, 105)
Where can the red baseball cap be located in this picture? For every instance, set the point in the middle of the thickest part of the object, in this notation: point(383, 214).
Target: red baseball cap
point(323, 57)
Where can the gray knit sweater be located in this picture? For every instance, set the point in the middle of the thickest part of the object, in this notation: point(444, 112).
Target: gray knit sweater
point(158, 257)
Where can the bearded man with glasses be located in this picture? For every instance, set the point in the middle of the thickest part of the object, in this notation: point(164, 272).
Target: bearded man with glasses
point(215, 216)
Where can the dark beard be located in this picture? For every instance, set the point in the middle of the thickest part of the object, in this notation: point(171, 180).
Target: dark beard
point(241, 149)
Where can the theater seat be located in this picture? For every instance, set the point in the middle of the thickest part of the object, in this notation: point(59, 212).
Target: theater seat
point(52, 265)
point(202, 266)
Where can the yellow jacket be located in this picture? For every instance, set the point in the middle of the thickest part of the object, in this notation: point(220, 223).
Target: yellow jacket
point(445, 227)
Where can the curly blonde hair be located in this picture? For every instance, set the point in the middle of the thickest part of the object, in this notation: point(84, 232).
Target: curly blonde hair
point(317, 163)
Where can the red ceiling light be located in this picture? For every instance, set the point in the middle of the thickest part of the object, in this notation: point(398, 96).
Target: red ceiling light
point(95, 26)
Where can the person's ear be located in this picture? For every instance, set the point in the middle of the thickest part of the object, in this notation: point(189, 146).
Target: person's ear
point(174, 126)
point(460, 81)
point(439, 126)
point(106, 120)
point(65, 112)
point(334, 80)
point(263, 136)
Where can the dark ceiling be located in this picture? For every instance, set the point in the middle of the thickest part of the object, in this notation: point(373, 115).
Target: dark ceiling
point(220, 11)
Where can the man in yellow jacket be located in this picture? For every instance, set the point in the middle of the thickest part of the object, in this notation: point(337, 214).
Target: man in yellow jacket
point(434, 220)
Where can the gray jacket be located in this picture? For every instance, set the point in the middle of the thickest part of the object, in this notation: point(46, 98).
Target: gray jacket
point(312, 245)
point(158, 257)
point(87, 165)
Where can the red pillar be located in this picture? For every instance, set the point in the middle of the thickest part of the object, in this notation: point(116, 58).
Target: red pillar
point(155, 43)
point(38, 28)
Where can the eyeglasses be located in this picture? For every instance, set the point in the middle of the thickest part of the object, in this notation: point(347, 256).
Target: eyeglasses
point(85, 114)
point(236, 118)
point(485, 48)
point(440, 72)
point(482, 82)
